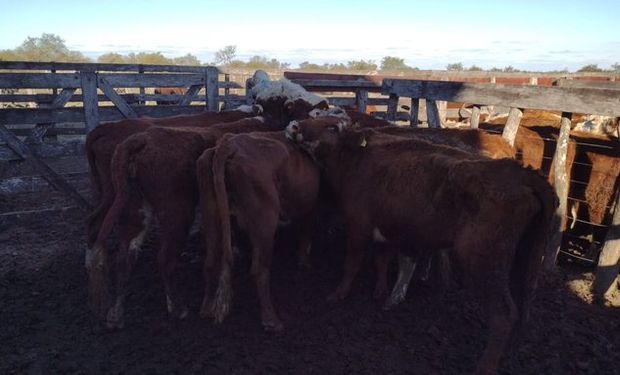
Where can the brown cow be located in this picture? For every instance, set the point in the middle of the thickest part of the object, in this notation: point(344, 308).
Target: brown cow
point(495, 214)
point(102, 141)
point(153, 174)
point(262, 179)
point(169, 91)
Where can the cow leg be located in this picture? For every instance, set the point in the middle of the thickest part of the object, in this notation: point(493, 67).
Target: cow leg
point(133, 229)
point(353, 262)
point(262, 237)
point(175, 226)
point(382, 259)
point(406, 267)
point(487, 263)
point(305, 230)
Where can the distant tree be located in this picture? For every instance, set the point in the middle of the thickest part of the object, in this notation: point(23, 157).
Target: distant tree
point(455, 66)
point(311, 66)
point(225, 55)
point(475, 68)
point(495, 69)
point(47, 47)
point(153, 58)
point(362, 65)
point(111, 58)
point(590, 68)
point(393, 64)
point(188, 59)
point(615, 67)
point(511, 69)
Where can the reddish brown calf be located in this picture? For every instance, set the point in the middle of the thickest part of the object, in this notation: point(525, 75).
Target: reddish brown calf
point(262, 178)
point(494, 214)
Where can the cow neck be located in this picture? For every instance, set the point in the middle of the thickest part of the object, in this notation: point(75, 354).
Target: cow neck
point(337, 162)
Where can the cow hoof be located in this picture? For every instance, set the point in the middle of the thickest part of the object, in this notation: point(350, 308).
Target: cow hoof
point(273, 326)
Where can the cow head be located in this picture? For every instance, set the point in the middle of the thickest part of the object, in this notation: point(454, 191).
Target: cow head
point(314, 131)
point(284, 101)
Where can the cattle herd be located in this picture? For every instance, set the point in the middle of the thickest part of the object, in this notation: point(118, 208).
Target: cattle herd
point(454, 199)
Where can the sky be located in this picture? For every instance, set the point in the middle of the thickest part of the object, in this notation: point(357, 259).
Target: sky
point(526, 34)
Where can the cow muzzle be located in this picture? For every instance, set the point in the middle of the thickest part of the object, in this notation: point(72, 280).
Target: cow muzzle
point(293, 132)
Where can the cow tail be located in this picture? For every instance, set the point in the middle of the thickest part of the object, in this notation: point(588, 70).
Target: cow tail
point(223, 292)
point(96, 261)
point(533, 243)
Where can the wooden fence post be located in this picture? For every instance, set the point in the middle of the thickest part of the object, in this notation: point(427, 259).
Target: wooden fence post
point(561, 185)
point(392, 107)
point(474, 120)
point(361, 99)
point(89, 93)
point(141, 100)
point(512, 125)
point(606, 278)
point(212, 88)
point(432, 114)
point(415, 112)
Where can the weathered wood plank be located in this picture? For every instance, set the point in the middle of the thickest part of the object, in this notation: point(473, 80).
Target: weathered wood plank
point(76, 114)
point(612, 85)
point(333, 85)
point(59, 66)
point(152, 80)
point(211, 83)
point(392, 107)
point(432, 114)
point(561, 185)
point(361, 99)
point(48, 173)
point(606, 277)
point(582, 100)
point(414, 112)
point(52, 132)
point(89, 91)
point(46, 150)
point(120, 104)
point(512, 125)
point(190, 95)
point(474, 120)
point(39, 80)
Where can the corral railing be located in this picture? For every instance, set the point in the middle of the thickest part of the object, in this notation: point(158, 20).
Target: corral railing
point(80, 96)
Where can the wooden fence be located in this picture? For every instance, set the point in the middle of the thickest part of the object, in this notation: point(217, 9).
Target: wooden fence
point(93, 93)
point(46, 94)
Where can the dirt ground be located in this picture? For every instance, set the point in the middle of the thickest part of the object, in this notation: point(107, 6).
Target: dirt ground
point(46, 325)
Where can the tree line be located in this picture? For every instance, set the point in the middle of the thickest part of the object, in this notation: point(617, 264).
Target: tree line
point(50, 47)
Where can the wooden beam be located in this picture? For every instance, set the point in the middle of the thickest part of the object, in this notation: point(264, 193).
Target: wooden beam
point(152, 80)
point(119, 102)
point(41, 129)
point(16, 116)
point(414, 112)
point(48, 173)
point(606, 277)
point(89, 91)
point(190, 95)
point(512, 125)
point(361, 99)
point(211, 81)
point(581, 100)
point(474, 120)
point(612, 85)
point(561, 185)
point(335, 85)
point(432, 114)
point(39, 80)
point(392, 107)
point(30, 65)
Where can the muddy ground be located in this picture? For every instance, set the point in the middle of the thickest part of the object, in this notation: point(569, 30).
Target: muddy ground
point(46, 326)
